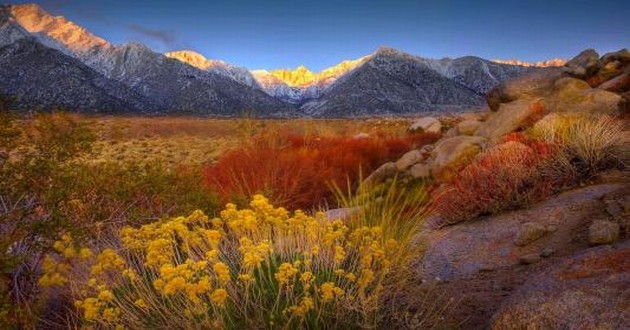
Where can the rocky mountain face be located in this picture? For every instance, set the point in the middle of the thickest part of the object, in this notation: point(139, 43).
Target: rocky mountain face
point(43, 78)
point(392, 82)
point(387, 82)
point(240, 74)
point(170, 84)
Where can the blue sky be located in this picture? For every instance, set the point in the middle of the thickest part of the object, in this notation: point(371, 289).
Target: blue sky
point(285, 34)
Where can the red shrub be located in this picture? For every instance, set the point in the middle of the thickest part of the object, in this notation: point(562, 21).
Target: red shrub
point(507, 175)
point(298, 171)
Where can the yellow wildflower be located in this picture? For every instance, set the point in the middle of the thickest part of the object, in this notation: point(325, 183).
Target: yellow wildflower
point(329, 291)
point(285, 273)
point(213, 237)
point(246, 278)
point(85, 253)
point(130, 274)
point(91, 308)
point(174, 285)
point(111, 314)
point(105, 295)
point(219, 296)
point(223, 272)
point(367, 276)
point(69, 252)
point(212, 255)
point(306, 305)
point(140, 303)
point(340, 254)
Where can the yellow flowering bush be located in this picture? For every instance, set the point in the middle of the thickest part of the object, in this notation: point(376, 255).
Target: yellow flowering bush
point(257, 267)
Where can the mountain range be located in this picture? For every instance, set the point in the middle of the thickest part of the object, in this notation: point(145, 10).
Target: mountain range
point(49, 62)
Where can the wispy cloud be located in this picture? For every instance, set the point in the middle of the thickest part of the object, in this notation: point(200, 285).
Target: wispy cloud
point(166, 37)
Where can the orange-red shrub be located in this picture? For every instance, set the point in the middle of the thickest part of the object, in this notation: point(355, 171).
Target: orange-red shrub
point(298, 171)
point(510, 174)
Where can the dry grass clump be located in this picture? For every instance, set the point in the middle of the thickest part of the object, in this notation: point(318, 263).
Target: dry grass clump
point(590, 143)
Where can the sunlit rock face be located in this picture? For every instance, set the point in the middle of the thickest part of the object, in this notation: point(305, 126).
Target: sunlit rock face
point(56, 31)
point(301, 85)
point(539, 64)
point(240, 74)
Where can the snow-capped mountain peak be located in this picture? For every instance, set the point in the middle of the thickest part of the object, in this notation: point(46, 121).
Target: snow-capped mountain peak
point(539, 64)
point(56, 31)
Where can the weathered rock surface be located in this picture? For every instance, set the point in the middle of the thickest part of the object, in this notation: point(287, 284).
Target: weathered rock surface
point(450, 154)
point(603, 232)
point(533, 84)
point(622, 56)
point(468, 127)
point(408, 159)
point(420, 170)
point(426, 124)
point(618, 84)
point(584, 64)
point(529, 232)
point(341, 213)
point(575, 95)
point(589, 290)
point(529, 259)
point(382, 173)
point(488, 243)
point(510, 117)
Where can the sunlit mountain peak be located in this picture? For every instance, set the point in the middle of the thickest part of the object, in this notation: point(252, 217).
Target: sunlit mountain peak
point(303, 77)
point(541, 64)
point(72, 36)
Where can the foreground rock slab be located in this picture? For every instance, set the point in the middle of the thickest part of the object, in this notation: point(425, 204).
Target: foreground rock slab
point(589, 290)
point(489, 243)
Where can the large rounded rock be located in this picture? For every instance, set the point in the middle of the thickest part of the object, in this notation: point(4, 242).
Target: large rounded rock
point(381, 174)
point(530, 85)
point(603, 232)
point(584, 64)
point(575, 95)
point(341, 213)
point(622, 56)
point(420, 170)
point(426, 124)
point(619, 84)
point(451, 154)
point(511, 117)
point(408, 159)
point(588, 290)
point(468, 127)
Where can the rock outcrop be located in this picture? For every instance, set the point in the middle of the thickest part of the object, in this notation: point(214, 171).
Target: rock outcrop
point(534, 267)
point(426, 124)
point(511, 117)
point(518, 104)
